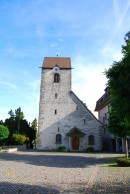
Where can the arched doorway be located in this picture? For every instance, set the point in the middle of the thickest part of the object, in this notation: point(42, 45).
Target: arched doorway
point(75, 143)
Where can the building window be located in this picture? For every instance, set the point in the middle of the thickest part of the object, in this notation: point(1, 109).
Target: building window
point(58, 129)
point(55, 111)
point(56, 78)
point(91, 140)
point(84, 121)
point(58, 139)
point(56, 95)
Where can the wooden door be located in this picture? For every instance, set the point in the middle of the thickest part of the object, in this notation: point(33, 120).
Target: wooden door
point(75, 143)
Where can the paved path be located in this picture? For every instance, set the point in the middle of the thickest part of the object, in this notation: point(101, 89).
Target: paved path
point(56, 173)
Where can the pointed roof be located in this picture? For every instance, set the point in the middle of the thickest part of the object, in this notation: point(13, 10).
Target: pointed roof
point(75, 131)
point(61, 62)
point(76, 97)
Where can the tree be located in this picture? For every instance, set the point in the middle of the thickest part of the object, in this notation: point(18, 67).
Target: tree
point(18, 116)
point(14, 122)
point(4, 133)
point(1, 122)
point(115, 126)
point(34, 124)
point(19, 139)
point(118, 81)
point(34, 127)
point(11, 113)
point(19, 126)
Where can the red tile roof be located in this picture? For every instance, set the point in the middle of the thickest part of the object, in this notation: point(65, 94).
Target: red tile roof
point(62, 62)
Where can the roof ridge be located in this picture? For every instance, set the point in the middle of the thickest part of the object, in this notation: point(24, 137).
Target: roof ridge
point(85, 106)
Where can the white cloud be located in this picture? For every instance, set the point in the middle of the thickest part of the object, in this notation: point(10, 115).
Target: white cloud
point(9, 84)
point(120, 12)
point(53, 45)
point(110, 51)
point(89, 81)
point(61, 40)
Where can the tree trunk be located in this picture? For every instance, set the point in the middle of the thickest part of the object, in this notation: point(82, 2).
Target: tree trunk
point(126, 148)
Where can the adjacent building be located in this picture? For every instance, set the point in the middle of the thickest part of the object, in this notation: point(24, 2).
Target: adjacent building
point(109, 142)
point(64, 120)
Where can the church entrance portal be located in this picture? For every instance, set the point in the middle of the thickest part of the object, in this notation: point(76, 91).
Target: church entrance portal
point(75, 143)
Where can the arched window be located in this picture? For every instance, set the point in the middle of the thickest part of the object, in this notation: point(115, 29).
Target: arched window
point(58, 138)
point(91, 140)
point(56, 78)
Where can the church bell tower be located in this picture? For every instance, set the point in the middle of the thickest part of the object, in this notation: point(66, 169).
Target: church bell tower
point(54, 92)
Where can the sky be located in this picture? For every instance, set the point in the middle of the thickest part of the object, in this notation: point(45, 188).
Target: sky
point(90, 32)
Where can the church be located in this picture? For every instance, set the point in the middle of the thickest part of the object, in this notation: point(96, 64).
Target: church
point(64, 120)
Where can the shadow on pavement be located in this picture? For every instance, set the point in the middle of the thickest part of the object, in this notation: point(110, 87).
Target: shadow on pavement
point(18, 188)
point(54, 160)
point(96, 188)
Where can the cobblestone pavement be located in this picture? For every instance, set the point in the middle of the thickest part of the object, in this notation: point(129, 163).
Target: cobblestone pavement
point(56, 173)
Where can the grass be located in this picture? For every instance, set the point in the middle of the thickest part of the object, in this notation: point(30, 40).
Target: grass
point(118, 162)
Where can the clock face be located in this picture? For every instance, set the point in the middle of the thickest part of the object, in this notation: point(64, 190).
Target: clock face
point(56, 70)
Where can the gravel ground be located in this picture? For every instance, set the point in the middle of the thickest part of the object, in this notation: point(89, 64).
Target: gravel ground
point(66, 173)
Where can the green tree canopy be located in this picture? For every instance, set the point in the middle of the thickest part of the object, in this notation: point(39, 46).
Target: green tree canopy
point(18, 125)
point(4, 133)
point(116, 127)
point(119, 84)
point(34, 124)
point(18, 117)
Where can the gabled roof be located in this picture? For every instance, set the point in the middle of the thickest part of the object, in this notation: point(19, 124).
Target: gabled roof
point(75, 131)
point(61, 62)
point(72, 93)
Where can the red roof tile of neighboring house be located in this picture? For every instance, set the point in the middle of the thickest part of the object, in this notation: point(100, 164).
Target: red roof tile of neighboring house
point(61, 62)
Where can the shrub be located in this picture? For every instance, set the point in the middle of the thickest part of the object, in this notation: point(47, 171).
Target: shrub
point(123, 162)
point(19, 139)
point(90, 149)
point(4, 133)
point(61, 149)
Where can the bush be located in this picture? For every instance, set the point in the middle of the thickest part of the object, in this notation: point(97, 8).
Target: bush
point(61, 149)
point(123, 162)
point(4, 133)
point(90, 149)
point(19, 139)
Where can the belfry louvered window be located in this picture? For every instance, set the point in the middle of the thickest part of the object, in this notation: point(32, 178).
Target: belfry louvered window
point(56, 78)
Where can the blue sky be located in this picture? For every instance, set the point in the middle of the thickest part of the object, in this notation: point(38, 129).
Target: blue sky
point(90, 32)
